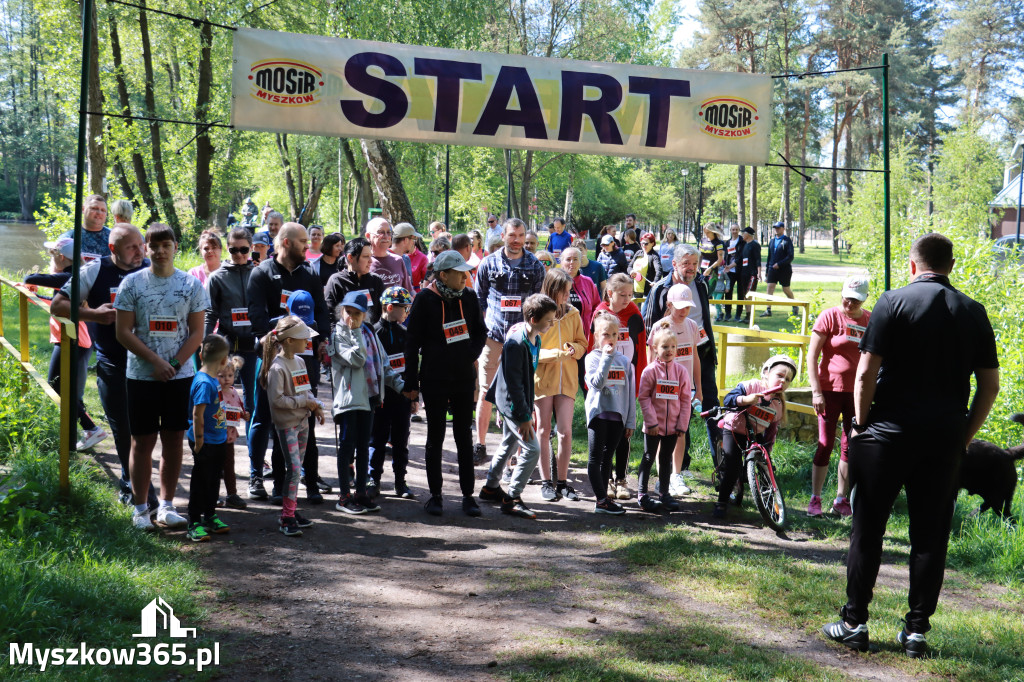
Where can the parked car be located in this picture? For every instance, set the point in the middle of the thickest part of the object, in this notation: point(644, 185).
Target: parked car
point(1004, 247)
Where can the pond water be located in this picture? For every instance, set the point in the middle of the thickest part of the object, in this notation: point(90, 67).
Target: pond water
point(21, 247)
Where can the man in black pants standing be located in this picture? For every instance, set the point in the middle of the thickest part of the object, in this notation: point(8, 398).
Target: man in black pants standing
point(911, 427)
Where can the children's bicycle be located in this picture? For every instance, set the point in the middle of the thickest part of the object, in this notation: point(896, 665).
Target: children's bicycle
point(757, 462)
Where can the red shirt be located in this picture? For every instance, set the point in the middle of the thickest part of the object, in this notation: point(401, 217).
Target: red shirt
point(419, 268)
point(841, 350)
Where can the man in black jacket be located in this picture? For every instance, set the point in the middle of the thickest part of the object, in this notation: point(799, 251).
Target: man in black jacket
point(779, 269)
point(269, 287)
point(748, 266)
point(447, 327)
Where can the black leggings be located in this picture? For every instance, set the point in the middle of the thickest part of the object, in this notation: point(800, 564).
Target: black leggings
point(622, 457)
point(733, 445)
point(667, 445)
point(437, 402)
point(603, 435)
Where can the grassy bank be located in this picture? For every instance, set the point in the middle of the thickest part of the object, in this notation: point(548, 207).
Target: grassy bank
point(74, 570)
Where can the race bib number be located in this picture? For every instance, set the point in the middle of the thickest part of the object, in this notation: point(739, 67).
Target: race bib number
point(163, 326)
point(623, 334)
point(616, 376)
point(309, 348)
point(456, 331)
point(90, 257)
point(684, 350)
point(284, 298)
point(232, 416)
point(731, 250)
point(511, 304)
point(763, 415)
point(240, 317)
point(702, 336)
point(704, 263)
point(854, 332)
point(745, 262)
point(300, 380)
point(665, 389)
point(113, 294)
point(397, 362)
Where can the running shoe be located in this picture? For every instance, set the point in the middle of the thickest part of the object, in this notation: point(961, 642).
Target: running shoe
point(492, 494)
point(434, 505)
point(373, 490)
point(256, 489)
point(402, 490)
point(568, 492)
point(170, 518)
point(367, 504)
point(348, 505)
point(607, 506)
point(142, 521)
point(90, 438)
point(622, 490)
point(718, 511)
point(470, 507)
point(855, 638)
point(197, 533)
point(267, 470)
point(649, 504)
point(669, 504)
point(323, 486)
point(814, 508)
point(301, 521)
point(841, 506)
point(213, 524)
point(290, 528)
point(314, 496)
point(676, 485)
point(548, 492)
point(913, 643)
point(515, 507)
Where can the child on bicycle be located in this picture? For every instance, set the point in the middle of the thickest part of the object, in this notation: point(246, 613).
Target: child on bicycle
point(766, 408)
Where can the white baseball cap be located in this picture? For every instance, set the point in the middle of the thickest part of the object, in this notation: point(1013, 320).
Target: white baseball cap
point(856, 287)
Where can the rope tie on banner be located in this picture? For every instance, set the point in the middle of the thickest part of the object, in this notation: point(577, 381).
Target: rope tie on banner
point(812, 73)
point(793, 168)
point(195, 22)
point(827, 168)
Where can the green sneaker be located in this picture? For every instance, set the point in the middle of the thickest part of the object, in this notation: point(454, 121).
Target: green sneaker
point(197, 533)
point(213, 524)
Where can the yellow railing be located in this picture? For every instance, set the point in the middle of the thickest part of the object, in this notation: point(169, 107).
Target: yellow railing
point(762, 338)
point(68, 335)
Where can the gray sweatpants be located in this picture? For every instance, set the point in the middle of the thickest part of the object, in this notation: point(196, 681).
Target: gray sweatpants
point(525, 463)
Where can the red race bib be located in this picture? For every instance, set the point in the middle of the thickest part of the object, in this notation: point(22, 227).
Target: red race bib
point(163, 326)
point(456, 331)
point(300, 380)
point(664, 389)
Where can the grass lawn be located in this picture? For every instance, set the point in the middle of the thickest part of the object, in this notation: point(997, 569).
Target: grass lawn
point(822, 255)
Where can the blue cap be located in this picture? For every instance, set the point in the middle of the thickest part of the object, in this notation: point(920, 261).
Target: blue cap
point(262, 238)
point(300, 304)
point(355, 299)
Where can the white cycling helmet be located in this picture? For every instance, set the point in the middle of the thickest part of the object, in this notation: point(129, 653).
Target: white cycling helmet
point(778, 360)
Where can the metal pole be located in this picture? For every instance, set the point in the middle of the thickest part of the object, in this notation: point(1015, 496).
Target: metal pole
point(447, 185)
point(1020, 187)
point(700, 203)
point(885, 160)
point(508, 175)
point(683, 229)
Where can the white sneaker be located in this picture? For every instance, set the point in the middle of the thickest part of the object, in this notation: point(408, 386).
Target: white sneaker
point(676, 485)
point(142, 522)
point(91, 438)
point(169, 518)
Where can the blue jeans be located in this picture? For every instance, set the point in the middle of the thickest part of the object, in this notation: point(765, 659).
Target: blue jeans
point(261, 432)
point(356, 427)
point(391, 421)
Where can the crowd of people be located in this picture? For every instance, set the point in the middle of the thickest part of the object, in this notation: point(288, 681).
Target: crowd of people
point(480, 323)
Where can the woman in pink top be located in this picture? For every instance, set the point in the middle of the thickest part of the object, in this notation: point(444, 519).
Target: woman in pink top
point(211, 249)
point(316, 240)
point(834, 353)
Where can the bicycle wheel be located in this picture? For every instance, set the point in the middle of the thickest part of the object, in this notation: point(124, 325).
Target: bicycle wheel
point(717, 461)
point(767, 497)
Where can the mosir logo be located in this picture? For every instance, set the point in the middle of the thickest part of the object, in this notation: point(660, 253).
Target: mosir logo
point(728, 117)
point(288, 83)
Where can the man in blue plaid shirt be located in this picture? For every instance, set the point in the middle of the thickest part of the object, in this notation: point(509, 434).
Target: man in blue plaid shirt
point(504, 280)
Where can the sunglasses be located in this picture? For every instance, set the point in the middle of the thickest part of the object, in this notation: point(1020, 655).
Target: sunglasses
point(238, 249)
point(548, 263)
point(492, 222)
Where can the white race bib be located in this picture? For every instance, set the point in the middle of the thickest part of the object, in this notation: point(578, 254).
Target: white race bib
point(704, 263)
point(397, 362)
point(616, 376)
point(456, 331)
point(163, 326)
point(511, 304)
point(232, 415)
point(308, 351)
point(745, 260)
point(854, 332)
point(240, 317)
point(665, 389)
point(763, 415)
point(285, 294)
point(300, 380)
point(113, 294)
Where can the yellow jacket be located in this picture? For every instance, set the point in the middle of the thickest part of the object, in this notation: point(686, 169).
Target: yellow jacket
point(557, 373)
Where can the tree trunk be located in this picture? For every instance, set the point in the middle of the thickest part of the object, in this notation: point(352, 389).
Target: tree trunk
point(741, 200)
point(524, 188)
point(753, 197)
point(289, 181)
point(138, 164)
point(388, 183)
point(94, 124)
point(122, 180)
point(834, 189)
point(316, 188)
point(363, 190)
point(204, 148)
point(166, 198)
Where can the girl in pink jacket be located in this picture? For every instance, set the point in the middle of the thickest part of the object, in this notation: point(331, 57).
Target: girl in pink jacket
point(665, 403)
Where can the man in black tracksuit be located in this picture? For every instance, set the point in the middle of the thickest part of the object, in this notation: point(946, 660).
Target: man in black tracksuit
point(748, 255)
point(913, 421)
point(269, 287)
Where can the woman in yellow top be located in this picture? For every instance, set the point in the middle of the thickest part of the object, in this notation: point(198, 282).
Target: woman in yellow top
point(556, 381)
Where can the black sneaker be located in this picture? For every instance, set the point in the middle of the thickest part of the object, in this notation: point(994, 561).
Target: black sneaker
point(256, 489)
point(470, 507)
point(373, 490)
point(367, 504)
point(492, 494)
point(290, 528)
point(607, 506)
point(649, 504)
point(313, 496)
point(480, 454)
point(416, 418)
point(718, 511)
point(548, 492)
point(234, 502)
point(767, 313)
point(301, 521)
point(854, 638)
point(669, 504)
point(515, 507)
point(913, 643)
point(402, 490)
point(322, 485)
point(434, 505)
point(568, 492)
point(349, 505)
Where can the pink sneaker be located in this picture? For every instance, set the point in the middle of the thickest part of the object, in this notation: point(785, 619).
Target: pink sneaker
point(841, 506)
point(814, 508)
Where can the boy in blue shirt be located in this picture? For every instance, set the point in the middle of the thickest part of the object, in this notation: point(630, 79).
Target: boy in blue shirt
point(207, 437)
point(559, 240)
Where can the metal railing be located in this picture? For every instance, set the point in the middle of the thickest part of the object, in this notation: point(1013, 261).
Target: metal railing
point(68, 336)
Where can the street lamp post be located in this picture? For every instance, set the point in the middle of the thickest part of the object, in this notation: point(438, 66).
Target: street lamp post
point(686, 171)
point(700, 200)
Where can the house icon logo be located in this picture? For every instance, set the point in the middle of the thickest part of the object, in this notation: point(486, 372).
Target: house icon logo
point(158, 615)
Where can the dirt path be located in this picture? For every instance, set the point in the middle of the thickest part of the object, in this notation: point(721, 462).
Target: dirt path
point(401, 595)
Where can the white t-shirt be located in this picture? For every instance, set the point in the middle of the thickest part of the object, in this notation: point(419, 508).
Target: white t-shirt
point(161, 306)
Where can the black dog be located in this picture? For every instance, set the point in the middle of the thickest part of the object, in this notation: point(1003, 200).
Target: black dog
point(991, 472)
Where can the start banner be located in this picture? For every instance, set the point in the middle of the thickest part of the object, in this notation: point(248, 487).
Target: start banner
point(316, 85)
